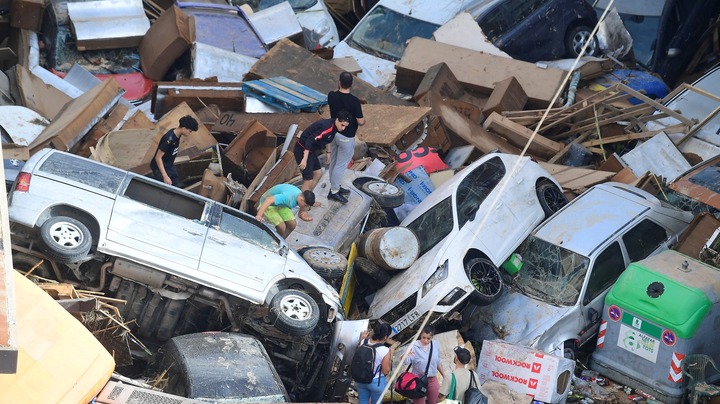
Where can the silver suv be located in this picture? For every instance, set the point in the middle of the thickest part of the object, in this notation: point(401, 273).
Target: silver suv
point(554, 302)
point(182, 262)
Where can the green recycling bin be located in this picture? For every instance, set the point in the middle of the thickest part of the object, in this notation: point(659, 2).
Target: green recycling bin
point(660, 310)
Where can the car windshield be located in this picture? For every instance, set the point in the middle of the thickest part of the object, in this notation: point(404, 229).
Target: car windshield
point(257, 5)
point(384, 32)
point(433, 226)
point(551, 273)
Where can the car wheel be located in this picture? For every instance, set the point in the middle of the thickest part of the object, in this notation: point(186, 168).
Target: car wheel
point(65, 239)
point(294, 312)
point(575, 40)
point(485, 277)
point(385, 194)
point(570, 350)
point(377, 275)
point(551, 198)
point(25, 262)
point(326, 262)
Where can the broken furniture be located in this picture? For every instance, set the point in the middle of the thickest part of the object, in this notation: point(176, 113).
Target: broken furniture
point(285, 94)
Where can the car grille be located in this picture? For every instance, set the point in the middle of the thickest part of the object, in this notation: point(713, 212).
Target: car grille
point(401, 309)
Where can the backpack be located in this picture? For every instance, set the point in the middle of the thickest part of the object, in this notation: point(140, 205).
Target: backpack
point(362, 367)
point(473, 395)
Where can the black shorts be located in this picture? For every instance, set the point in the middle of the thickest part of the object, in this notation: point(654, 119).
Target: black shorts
point(313, 163)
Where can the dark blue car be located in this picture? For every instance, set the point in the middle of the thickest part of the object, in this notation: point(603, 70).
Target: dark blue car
point(533, 30)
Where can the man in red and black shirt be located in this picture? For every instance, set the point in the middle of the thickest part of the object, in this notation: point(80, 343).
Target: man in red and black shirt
point(317, 136)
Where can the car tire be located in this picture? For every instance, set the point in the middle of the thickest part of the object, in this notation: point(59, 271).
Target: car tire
point(485, 277)
point(372, 271)
point(294, 312)
point(576, 38)
point(385, 194)
point(551, 198)
point(25, 262)
point(326, 262)
point(65, 239)
point(570, 350)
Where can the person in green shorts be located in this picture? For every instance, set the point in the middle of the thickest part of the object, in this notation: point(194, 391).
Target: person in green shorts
point(277, 203)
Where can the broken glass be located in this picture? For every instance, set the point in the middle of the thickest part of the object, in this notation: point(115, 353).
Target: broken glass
point(551, 273)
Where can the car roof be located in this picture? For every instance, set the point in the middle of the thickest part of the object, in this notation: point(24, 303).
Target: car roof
point(431, 10)
point(449, 187)
point(593, 217)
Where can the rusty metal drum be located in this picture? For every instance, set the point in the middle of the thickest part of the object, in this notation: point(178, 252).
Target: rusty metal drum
point(391, 248)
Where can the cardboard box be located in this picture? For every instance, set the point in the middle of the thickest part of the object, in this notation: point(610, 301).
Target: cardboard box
point(524, 370)
point(169, 37)
point(27, 14)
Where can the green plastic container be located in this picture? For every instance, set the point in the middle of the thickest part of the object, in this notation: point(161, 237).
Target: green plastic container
point(513, 264)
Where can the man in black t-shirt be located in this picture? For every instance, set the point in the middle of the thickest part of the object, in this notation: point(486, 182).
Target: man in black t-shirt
point(343, 146)
point(163, 162)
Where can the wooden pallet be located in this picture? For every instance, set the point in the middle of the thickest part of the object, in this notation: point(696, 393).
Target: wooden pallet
point(285, 94)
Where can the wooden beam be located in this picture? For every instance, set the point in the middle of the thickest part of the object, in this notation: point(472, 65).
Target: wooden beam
point(634, 136)
point(655, 104)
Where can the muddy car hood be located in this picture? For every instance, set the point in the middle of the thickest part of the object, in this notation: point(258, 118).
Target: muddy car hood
point(517, 319)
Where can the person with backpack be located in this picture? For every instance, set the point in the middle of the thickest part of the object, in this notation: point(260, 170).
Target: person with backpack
point(461, 374)
point(371, 363)
point(424, 359)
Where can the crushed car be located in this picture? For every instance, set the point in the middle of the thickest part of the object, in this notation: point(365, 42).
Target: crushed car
point(569, 263)
point(182, 262)
point(466, 229)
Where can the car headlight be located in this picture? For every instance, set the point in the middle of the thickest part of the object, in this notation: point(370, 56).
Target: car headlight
point(438, 276)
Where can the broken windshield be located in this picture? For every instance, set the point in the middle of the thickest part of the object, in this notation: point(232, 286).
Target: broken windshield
point(551, 273)
point(433, 226)
point(384, 33)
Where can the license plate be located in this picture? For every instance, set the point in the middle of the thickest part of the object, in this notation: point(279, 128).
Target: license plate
point(638, 343)
point(406, 321)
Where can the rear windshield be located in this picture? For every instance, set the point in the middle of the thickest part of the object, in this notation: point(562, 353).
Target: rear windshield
point(84, 171)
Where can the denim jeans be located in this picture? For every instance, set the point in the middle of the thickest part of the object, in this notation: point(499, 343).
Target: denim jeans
point(370, 392)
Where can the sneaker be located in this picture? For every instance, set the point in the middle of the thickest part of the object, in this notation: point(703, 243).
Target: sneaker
point(343, 191)
point(336, 197)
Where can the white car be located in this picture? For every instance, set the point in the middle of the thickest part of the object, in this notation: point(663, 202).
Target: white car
point(554, 303)
point(378, 40)
point(466, 229)
point(319, 30)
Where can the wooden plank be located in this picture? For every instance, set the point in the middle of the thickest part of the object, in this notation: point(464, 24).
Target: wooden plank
point(576, 178)
point(634, 136)
point(521, 136)
point(474, 134)
point(655, 104)
point(507, 95)
point(477, 71)
point(297, 63)
point(386, 124)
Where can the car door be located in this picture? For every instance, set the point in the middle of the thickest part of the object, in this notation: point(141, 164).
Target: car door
point(158, 225)
point(643, 239)
point(242, 255)
point(529, 37)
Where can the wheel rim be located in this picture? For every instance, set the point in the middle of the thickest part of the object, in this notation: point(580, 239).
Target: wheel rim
point(324, 256)
point(296, 307)
point(485, 278)
point(554, 198)
point(383, 188)
point(579, 41)
point(66, 234)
